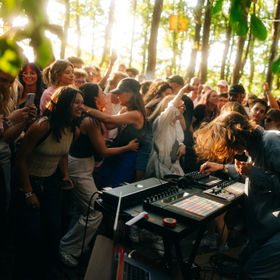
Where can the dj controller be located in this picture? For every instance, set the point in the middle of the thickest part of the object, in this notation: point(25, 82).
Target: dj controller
point(194, 196)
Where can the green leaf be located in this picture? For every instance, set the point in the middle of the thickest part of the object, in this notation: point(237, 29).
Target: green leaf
point(44, 52)
point(217, 7)
point(258, 29)
point(275, 66)
point(11, 59)
point(9, 7)
point(240, 26)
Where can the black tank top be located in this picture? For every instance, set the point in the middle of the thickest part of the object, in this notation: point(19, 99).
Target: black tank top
point(82, 147)
point(127, 133)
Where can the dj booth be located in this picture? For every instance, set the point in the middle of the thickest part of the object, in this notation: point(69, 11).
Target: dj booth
point(176, 207)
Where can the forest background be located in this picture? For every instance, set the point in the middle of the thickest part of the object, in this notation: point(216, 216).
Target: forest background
point(235, 40)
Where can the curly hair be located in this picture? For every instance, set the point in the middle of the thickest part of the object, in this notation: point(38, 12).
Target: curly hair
point(225, 135)
point(155, 90)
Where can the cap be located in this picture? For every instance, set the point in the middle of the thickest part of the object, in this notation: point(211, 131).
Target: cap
point(176, 79)
point(127, 85)
point(235, 89)
point(222, 83)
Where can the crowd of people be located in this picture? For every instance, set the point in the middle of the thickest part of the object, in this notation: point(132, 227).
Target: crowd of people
point(84, 131)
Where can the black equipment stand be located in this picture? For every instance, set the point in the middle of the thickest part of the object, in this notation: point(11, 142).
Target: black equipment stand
point(171, 236)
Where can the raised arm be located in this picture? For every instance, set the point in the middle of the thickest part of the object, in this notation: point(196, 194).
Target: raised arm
point(269, 96)
point(129, 117)
point(178, 97)
point(113, 59)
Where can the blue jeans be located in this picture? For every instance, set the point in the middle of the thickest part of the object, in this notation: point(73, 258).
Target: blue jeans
point(38, 231)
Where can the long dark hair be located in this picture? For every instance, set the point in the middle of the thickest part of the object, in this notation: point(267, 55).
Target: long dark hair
point(40, 86)
point(59, 111)
point(136, 103)
point(89, 92)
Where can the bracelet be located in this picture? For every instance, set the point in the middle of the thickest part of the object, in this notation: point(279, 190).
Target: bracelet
point(28, 194)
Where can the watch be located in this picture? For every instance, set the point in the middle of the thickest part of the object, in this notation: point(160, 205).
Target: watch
point(28, 194)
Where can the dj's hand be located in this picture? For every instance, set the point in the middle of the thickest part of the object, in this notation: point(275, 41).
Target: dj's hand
point(209, 167)
point(243, 167)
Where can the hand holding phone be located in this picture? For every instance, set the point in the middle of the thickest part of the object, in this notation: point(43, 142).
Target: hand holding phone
point(30, 99)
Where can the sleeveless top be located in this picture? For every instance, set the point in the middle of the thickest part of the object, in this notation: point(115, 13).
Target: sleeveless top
point(45, 157)
point(127, 133)
point(82, 147)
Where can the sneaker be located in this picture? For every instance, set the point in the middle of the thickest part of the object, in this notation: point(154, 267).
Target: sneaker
point(68, 259)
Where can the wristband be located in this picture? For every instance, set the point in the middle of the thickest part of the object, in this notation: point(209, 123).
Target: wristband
point(267, 92)
point(28, 194)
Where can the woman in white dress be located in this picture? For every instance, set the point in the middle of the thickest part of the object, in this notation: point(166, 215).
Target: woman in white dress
point(168, 124)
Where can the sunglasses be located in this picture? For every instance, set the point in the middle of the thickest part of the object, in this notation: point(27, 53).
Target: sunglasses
point(268, 120)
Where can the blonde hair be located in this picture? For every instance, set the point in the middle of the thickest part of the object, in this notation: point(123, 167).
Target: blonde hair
point(8, 98)
point(160, 107)
point(221, 138)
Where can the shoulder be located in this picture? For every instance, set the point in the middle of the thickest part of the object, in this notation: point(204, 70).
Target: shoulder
point(48, 91)
point(89, 122)
point(134, 114)
point(40, 126)
point(271, 137)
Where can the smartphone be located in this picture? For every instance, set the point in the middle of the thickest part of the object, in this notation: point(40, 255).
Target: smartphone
point(30, 99)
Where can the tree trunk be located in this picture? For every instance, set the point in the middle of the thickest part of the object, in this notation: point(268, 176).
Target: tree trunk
point(174, 49)
point(132, 33)
point(146, 24)
point(246, 54)
point(198, 15)
point(274, 45)
point(228, 64)
point(278, 83)
point(93, 40)
point(108, 33)
point(65, 29)
point(252, 66)
point(79, 51)
point(225, 54)
point(205, 43)
point(144, 53)
point(152, 47)
point(238, 60)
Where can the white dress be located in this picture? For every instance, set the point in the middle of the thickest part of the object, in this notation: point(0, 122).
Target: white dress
point(165, 133)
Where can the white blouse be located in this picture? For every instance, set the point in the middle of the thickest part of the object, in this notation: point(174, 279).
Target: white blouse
point(165, 132)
